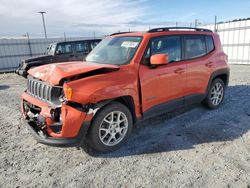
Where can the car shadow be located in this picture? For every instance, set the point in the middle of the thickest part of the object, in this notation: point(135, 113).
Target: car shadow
point(3, 87)
point(188, 127)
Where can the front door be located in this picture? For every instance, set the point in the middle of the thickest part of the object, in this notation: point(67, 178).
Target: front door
point(64, 52)
point(163, 87)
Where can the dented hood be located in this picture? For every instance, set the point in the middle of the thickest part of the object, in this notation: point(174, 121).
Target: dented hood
point(53, 73)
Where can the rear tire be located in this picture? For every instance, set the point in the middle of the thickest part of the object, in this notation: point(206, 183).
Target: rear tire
point(215, 95)
point(110, 127)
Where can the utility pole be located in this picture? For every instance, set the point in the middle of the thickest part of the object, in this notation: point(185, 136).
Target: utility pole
point(44, 27)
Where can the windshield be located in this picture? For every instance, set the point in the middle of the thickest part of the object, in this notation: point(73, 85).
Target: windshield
point(51, 49)
point(117, 50)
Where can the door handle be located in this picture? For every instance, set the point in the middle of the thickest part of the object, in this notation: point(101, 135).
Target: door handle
point(179, 71)
point(210, 64)
point(71, 56)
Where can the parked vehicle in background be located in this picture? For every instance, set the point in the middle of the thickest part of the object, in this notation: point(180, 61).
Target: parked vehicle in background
point(127, 77)
point(59, 52)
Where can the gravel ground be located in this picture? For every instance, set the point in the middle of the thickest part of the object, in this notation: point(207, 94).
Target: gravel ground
point(191, 147)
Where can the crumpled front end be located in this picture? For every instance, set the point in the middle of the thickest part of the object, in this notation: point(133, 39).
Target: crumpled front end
point(51, 120)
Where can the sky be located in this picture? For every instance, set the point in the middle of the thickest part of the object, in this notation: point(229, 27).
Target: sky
point(83, 18)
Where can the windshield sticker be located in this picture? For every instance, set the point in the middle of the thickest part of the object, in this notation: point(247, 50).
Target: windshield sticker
point(129, 44)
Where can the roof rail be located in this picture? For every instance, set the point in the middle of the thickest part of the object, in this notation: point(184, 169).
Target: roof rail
point(162, 29)
point(120, 33)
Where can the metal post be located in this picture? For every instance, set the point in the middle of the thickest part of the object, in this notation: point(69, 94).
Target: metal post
point(94, 34)
point(228, 39)
point(44, 27)
point(233, 40)
point(215, 24)
point(238, 44)
point(29, 45)
point(196, 23)
point(64, 34)
point(244, 41)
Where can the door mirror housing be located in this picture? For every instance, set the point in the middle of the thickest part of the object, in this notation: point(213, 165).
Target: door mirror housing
point(159, 59)
point(58, 52)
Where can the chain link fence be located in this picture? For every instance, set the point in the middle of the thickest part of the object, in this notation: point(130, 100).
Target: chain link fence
point(13, 50)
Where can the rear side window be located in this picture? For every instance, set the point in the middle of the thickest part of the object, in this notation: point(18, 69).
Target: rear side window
point(194, 46)
point(64, 48)
point(82, 47)
point(170, 45)
point(210, 44)
point(93, 44)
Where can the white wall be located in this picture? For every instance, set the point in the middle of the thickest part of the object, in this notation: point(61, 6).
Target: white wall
point(235, 38)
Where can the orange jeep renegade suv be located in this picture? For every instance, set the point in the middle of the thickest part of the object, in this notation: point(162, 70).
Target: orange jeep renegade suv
point(127, 77)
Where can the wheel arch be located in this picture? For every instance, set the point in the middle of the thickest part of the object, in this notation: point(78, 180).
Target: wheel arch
point(222, 74)
point(126, 100)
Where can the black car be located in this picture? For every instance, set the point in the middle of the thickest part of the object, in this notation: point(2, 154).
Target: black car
point(58, 52)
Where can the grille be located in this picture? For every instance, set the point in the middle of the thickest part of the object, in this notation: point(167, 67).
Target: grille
point(43, 91)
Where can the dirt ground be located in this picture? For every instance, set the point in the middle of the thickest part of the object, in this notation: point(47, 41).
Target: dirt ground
point(191, 147)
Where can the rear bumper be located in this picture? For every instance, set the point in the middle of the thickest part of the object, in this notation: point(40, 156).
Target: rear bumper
point(58, 142)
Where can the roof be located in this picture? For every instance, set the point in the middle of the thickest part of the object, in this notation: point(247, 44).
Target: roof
point(179, 30)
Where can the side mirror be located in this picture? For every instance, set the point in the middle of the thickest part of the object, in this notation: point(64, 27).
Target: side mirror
point(58, 52)
point(159, 59)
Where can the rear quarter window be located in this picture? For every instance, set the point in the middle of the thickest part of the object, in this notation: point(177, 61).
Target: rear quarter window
point(210, 44)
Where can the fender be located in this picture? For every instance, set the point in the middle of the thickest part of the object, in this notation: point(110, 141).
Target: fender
point(224, 71)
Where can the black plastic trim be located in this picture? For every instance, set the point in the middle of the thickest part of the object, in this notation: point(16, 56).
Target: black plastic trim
point(164, 29)
point(59, 142)
point(216, 73)
point(163, 108)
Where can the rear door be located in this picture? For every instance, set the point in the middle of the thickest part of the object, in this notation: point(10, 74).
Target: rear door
point(198, 54)
point(162, 87)
point(81, 50)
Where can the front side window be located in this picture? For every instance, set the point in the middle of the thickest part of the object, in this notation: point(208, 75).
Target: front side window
point(117, 50)
point(170, 45)
point(51, 49)
point(82, 47)
point(64, 48)
point(194, 46)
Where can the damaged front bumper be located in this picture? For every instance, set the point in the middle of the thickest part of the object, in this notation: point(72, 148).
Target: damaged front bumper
point(62, 126)
point(22, 72)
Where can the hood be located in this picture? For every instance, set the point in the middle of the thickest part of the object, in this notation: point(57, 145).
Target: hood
point(54, 73)
point(36, 58)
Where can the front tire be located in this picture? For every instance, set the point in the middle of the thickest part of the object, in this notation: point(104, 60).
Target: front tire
point(110, 127)
point(215, 94)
